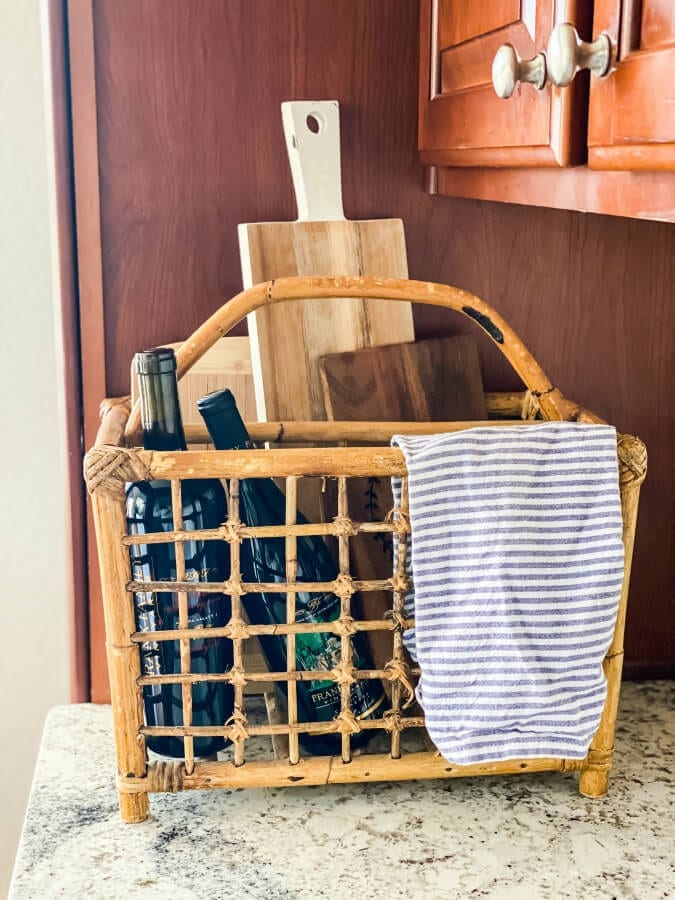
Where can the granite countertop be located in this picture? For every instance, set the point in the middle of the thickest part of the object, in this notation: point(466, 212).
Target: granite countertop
point(524, 836)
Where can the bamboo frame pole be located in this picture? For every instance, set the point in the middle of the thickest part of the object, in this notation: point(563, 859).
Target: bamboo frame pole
point(261, 531)
point(268, 677)
point(272, 677)
point(594, 778)
point(336, 431)
point(183, 622)
point(226, 631)
point(345, 595)
point(291, 543)
point(329, 770)
point(398, 616)
point(252, 587)
point(238, 732)
point(319, 727)
point(124, 663)
point(329, 462)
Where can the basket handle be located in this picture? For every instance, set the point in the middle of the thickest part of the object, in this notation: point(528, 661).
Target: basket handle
point(552, 403)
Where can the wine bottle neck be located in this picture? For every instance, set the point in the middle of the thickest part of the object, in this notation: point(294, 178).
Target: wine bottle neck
point(224, 422)
point(160, 412)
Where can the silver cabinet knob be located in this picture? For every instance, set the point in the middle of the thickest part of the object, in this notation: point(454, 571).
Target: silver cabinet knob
point(567, 54)
point(508, 69)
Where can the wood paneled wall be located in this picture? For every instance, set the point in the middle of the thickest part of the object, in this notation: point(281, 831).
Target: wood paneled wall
point(592, 297)
point(188, 125)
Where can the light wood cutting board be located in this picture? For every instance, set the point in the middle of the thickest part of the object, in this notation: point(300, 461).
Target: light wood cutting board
point(288, 339)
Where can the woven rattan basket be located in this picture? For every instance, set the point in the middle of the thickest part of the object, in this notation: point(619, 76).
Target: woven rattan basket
point(116, 459)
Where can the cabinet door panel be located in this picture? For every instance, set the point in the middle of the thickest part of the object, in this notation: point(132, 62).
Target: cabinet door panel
point(456, 24)
point(462, 121)
point(632, 110)
point(658, 23)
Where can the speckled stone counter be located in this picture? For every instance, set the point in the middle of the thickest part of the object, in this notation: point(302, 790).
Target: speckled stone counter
point(526, 836)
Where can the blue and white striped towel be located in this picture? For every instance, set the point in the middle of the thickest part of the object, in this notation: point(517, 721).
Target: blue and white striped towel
point(517, 563)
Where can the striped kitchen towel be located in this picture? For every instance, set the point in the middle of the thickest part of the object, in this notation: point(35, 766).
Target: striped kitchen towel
point(517, 565)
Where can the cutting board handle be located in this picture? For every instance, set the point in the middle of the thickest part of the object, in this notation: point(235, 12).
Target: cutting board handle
point(312, 132)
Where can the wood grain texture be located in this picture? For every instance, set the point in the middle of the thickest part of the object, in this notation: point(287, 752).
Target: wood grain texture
point(456, 24)
point(591, 295)
point(434, 379)
point(639, 195)
point(170, 204)
point(657, 22)
point(288, 342)
point(632, 110)
point(469, 65)
point(331, 770)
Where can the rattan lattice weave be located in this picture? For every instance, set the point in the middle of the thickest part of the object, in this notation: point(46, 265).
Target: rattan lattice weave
point(115, 460)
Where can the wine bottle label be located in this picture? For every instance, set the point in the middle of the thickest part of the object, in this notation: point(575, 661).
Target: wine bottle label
point(146, 619)
point(327, 699)
point(314, 652)
point(152, 664)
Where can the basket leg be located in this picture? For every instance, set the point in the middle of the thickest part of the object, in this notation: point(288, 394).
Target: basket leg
point(594, 779)
point(596, 767)
point(595, 770)
point(134, 807)
point(124, 665)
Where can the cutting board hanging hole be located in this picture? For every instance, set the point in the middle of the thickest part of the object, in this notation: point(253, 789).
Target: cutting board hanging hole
point(312, 132)
point(314, 122)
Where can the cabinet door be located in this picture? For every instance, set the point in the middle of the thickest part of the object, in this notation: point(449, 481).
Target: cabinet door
point(632, 110)
point(462, 121)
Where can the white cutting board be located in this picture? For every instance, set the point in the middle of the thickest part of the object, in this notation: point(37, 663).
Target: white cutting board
point(288, 339)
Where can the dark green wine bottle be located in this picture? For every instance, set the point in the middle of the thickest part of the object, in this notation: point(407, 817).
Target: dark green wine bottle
point(148, 510)
point(264, 560)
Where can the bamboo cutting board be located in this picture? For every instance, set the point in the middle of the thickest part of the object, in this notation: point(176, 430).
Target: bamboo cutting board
point(287, 340)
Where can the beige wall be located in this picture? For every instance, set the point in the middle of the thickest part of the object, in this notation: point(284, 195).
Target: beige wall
point(34, 656)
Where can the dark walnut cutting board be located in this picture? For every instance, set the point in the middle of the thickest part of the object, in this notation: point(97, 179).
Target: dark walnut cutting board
point(430, 380)
point(437, 379)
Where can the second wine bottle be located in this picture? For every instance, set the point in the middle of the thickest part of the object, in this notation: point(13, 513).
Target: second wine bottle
point(264, 560)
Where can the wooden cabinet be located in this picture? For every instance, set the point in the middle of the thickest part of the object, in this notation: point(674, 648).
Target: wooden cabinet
point(462, 121)
point(519, 149)
point(632, 112)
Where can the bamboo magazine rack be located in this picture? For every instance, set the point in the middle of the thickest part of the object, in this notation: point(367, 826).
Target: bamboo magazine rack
point(116, 459)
